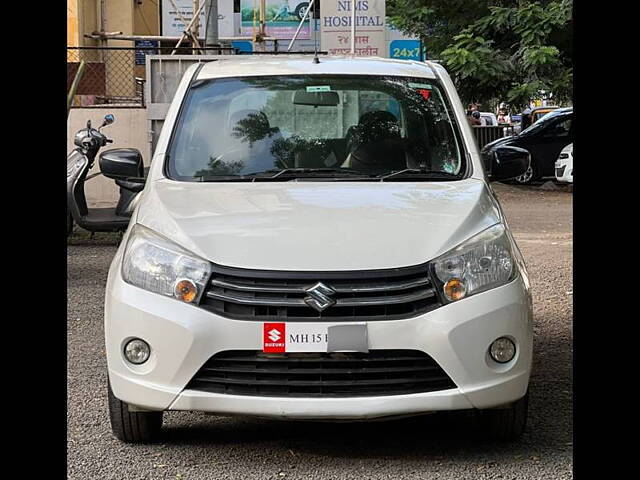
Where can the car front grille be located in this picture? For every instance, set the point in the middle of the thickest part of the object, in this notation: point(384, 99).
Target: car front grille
point(560, 171)
point(376, 373)
point(284, 296)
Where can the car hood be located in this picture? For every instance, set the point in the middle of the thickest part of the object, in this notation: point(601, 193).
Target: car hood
point(318, 226)
point(500, 142)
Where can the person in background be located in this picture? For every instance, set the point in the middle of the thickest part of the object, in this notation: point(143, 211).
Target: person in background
point(503, 117)
point(476, 118)
point(473, 114)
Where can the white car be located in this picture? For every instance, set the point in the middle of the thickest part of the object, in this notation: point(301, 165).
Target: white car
point(489, 118)
point(564, 165)
point(358, 267)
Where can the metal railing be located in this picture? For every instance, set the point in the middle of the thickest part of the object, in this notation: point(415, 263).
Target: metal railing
point(487, 134)
point(115, 76)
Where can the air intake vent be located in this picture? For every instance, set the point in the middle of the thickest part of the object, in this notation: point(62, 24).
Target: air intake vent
point(377, 373)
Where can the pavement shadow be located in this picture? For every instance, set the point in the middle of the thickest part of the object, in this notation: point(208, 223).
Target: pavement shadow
point(429, 436)
point(551, 390)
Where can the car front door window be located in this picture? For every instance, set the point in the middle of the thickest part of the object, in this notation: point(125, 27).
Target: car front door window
point(560, 129)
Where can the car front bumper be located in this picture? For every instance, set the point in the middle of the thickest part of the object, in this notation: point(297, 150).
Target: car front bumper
point(564, 171)
point(183, 337)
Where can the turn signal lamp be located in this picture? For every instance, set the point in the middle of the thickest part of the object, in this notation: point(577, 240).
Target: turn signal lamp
point(455, 289)
point(186, 291)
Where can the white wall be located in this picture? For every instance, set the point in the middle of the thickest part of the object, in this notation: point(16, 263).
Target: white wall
point(129, 130)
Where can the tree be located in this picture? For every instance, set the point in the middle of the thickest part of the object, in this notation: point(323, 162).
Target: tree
point(509, 50)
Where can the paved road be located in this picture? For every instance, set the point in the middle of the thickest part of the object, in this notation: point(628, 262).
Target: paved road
point(197, 446)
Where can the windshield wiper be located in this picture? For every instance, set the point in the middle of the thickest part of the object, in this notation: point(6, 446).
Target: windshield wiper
point(334, 173)
point(226, 178)
point(304, 171)
point(434, 174)
point(286, 173)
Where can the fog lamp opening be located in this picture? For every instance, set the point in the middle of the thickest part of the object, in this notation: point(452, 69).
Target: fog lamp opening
point(137, 351)
point(502, 350)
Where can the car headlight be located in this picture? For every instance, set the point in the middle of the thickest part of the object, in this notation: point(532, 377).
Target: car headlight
point(156, 264)
point(483, 262)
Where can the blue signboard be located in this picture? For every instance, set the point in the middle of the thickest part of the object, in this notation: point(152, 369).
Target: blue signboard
point(148, 46)
point(405, 49)
point(242, 46)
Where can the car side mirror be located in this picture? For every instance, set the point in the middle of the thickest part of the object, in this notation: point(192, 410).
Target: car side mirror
point(122, 163)
point(508, 162)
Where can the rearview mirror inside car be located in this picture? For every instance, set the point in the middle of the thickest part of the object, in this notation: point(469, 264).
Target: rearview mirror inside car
point(316, 99)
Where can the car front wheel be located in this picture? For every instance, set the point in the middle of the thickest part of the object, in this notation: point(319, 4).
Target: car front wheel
point(133, 427)
point(504, 424)
point(528, 177)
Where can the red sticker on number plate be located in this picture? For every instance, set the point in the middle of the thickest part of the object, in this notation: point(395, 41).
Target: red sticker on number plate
point(274, 337)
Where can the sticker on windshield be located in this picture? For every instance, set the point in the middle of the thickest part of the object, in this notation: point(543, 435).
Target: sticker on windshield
point(319, 88)
point(423, 89)
point(420, 85)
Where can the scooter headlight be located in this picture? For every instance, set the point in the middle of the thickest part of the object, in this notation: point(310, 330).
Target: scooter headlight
point(483, 262)
point(156, 264)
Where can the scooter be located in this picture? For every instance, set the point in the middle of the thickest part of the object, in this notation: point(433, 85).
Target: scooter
point(88, 142)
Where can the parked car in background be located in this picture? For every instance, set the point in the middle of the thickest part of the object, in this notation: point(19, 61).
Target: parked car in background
point(490, 118)
point(545, 139)
point(564, 165)
point(532, 115)
point(539, 112)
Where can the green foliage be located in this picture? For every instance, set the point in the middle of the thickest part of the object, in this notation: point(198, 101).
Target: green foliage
point(500, 50)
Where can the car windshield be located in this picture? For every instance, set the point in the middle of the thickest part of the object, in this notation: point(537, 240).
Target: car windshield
point(542, 123)
point(326, 126)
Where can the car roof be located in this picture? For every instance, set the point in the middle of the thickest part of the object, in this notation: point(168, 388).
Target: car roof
point(258, 65)
point(558, 112)
point(550, 108)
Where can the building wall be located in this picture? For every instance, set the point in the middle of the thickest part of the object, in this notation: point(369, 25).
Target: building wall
point(146, 18)
point(128, 131)
point(82, 18)
point(72, 23)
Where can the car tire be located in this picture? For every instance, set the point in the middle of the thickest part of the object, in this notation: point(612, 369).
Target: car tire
point(503, 424)
point(133, 427)
point(531, 175)
point(301, 10)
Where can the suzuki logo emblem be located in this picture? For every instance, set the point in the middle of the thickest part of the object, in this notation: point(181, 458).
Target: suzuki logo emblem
point(274, 335)
point(319, 296)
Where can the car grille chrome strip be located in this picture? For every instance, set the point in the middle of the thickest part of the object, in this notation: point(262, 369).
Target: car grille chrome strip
point(356, 288)
point(307, 296)
point(341, 302)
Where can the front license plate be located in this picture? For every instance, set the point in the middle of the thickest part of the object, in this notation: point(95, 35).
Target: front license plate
point(280, 337)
